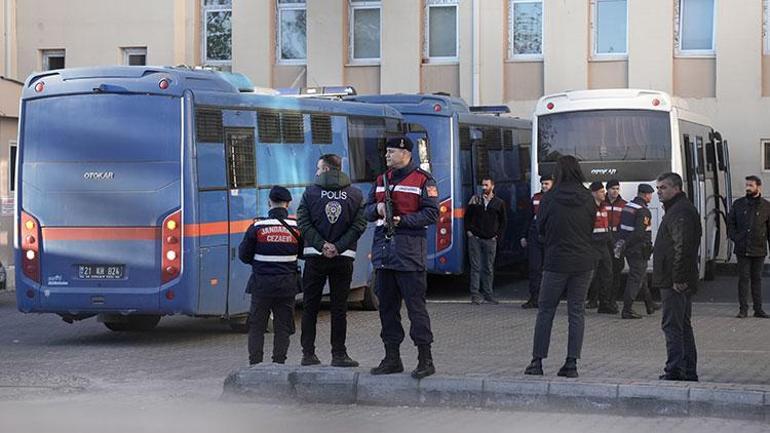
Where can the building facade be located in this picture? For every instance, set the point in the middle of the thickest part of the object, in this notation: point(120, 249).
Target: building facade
point(715, 54)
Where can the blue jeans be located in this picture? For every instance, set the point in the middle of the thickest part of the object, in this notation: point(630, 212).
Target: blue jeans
point(481, 253)
point(553, 285)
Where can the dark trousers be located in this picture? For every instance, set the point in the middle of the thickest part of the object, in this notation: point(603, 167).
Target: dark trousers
point(554, 284)
point(481, 253)
point(394, 286)
point(637, 280)
point(536, 252)
point(750, 269)
point(339, 272)
point(601, 285)
point(682, 359)
point(283, 326)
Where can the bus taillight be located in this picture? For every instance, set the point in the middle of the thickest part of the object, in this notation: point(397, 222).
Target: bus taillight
point(444, 225)
point(30, 245)
point(171, 248)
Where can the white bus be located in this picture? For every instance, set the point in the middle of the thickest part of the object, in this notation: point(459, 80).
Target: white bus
point(633, 136)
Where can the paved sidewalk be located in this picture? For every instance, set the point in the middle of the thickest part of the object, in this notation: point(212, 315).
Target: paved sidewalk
point(483, 348)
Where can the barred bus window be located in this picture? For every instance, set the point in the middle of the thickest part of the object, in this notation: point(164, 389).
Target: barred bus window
point(508, 139)
point(366, 147)
point(492, 139)
point(465, 138)
point(482, 162)
point(208, 125)
point(269, 127)
point(321, 128)
point(292, 128)
point(241, 160)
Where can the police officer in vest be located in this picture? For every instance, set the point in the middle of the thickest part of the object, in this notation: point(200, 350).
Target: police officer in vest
point(635, 239)
point(331, 219)
point(399, 253)
point(535, 245)
point(271, 246)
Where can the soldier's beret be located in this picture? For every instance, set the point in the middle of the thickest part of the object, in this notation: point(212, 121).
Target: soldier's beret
point(400, 143)
point(279, 194)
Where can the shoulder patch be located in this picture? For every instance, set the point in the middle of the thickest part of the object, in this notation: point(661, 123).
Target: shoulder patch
point(432, 191)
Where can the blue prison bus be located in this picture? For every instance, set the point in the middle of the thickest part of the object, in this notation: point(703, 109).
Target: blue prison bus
point(137, 184)
point(460, 147)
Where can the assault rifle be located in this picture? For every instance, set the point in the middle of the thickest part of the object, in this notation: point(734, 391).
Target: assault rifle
point(390, 226)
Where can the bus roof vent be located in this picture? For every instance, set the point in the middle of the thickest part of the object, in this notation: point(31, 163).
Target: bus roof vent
point(490, 109)
point(208, 125)
point(321, 128)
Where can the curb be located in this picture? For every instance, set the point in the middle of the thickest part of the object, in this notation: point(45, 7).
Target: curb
point(329, 385)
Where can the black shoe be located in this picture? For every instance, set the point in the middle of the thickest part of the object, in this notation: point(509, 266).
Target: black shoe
point(529, 304)
point(535, 368)
point(591, 305)
point(309, 359)
point(254, 361)
point(651, 307)
point(391, 363)
point(279, 361)
point(668, 376)
point(425, 365)
point(630, 314)
point(343, 360)
point(475, 300)
point(491, 300)
point(761, 314)
point(742, 315)
point(569, 369)
point(607, 309)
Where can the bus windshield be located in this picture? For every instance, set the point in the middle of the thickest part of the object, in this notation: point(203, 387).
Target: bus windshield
point(605, 135)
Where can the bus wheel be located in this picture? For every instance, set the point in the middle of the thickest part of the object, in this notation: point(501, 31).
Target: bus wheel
point(370, 301)
point(709, 274)
point(239, 324)
point(134, 323)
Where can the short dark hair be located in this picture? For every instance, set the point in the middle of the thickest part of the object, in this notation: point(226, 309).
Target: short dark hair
point(754, 179)
point(489, 178)
point(332, 160)
point(674, 178)
point(568, 170)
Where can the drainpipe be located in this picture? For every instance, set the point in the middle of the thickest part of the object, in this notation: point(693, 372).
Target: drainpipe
point(475, 48)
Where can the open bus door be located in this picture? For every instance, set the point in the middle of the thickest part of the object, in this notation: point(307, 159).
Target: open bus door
point(723, 166)
point(696, 189)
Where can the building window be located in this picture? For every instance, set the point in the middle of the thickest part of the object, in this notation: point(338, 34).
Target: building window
point(695, 32)
point(217, 31)
point(292, 31)
point(525, 24)
point(766, 154)
point(610, 27)
point(441, 43)
point(53, 59)
point(365, 25)
point(135, 56)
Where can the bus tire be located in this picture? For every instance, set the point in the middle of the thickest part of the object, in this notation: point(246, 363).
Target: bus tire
point(239, 325)
point(708, 275)
point(370, 301)
point(134, 323)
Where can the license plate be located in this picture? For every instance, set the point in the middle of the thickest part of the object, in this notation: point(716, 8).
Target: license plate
point(101, 272)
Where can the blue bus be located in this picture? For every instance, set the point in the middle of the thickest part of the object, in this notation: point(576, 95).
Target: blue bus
point(459, 146)
point(137, 183)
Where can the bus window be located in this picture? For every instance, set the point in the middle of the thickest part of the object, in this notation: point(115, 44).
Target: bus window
point(208, 125)
point(321, 128)
point(699, 156)
point(711, 159)
point(507, 139)
point(292, 128)
point(366, 143)
point(241, 162)
point(269, 126)
point(605, 135)
point(492, 139)
point(465, 138)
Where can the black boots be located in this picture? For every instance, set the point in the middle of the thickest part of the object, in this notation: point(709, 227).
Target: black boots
point(391, 363)
point(424, 362)
point(309, 359)
point(535, 368)
point(343, 360)
point(569, 369)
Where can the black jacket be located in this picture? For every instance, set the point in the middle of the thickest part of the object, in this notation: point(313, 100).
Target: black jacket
point(675, 255)
point(331, 210)
point(748, 225)
point(486, 222)
point(566, 223)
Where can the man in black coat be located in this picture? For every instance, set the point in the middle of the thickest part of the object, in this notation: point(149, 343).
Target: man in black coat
point(675, 272)
point(748, 226)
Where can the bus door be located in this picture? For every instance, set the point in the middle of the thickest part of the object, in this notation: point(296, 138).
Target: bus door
point(240, 149)
point(696, 184)
point(726, 197)
point(467, 163)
